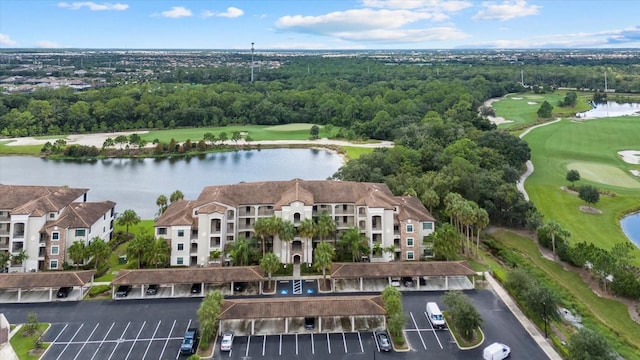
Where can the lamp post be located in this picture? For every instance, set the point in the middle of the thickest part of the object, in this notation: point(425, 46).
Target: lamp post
point(252, 62)
point(544, 318)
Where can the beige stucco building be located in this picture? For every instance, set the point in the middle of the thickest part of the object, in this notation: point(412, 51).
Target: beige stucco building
point(222, 214)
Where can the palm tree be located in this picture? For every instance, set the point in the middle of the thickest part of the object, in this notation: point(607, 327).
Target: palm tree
point(325, 226)
point(99, 250)
point(208, 314)
point(307, 228)
point(5, 257)
point(158, 253)
point(161, 201)
point(77, 252)
point(355, 243)
point(270, 263)
point(323, 258)
point(240, 251)
point(137, 247)
point(287, 234)
point(555, 229)
point(19, 258)
point(481, 222)
point(176, 195)
point(127, 218)
point(260, 228)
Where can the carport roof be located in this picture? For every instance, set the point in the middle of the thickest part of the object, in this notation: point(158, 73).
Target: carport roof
point(209, 275)
point(321, 306)
point(382, 270)
point(45, 279)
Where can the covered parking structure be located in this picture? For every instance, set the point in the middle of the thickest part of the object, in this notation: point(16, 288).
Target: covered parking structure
point(286, 315)
point(40, 286)
point(426, 275)
point(177, 280)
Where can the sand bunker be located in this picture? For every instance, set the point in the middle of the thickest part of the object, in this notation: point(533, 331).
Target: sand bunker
point(630, 156)
point(635, 172)
point(516, 98)
point(531, 102)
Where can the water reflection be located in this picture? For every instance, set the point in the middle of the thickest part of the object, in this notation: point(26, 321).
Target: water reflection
point(610, 109)
point(631, 227)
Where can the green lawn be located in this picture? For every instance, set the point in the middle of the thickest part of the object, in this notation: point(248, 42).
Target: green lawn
point(522, 108)
point(31, 150)
point(590, 147)
point(23, 344)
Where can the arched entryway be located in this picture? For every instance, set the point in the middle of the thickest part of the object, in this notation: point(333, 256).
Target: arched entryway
point(296, 259)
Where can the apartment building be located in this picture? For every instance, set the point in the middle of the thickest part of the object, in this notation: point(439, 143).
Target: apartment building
point(394, 225)
point(43, 221)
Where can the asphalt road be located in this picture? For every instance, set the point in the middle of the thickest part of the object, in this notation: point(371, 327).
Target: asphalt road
point(153, 329)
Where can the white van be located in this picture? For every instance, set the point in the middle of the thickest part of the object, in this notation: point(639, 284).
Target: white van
point(496, 351)
point(435, 316)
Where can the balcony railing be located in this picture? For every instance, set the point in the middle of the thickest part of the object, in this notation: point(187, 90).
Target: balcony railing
point(18, 234)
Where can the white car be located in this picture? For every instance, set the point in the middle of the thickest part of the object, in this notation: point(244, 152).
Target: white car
point(227, 341)
point(496, 351)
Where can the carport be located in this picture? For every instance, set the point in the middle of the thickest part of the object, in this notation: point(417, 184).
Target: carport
point(40, 286)
point(284, 312)
point(444, 273)
point(181, 276)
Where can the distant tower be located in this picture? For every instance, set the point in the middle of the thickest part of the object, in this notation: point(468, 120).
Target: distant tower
point(251, 62)
point(522, 77)
point(605, 81)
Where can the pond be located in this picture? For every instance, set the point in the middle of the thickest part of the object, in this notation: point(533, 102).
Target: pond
point(137, 183)
point(610, 109)
point(631, 227)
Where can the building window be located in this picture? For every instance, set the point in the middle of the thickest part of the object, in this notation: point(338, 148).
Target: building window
point(427, 226)
point(179, 260)
point(409, 228)
point(53, 264)
point(410, 255)
point(55, 250)
point(55, 236)
point(409, 241)
point(162, 231)
point(180, 246)
point(52, 215)
point(180, 233)
point(80, 232)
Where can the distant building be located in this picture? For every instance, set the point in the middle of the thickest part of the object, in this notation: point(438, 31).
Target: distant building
point(45, 220)
point(222, 214)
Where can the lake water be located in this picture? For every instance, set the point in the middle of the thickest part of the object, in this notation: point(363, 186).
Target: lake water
point(611, 109)
point(137, 183)
point(631, 227)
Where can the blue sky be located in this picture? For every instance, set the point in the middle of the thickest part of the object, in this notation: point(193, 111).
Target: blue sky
point(320, 24)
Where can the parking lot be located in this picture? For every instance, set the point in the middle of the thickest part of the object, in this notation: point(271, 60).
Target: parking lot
point(116, 340)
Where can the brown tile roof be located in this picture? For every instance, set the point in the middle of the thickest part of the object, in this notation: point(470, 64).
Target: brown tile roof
point(82, 215)
point(178, 213)
point(45, 279)
point(418, 268)
point(37, 200)
point(208, 275)
point(316, 306)
point(412, 208)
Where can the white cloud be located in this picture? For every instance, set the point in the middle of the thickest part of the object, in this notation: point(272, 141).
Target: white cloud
point(405, 36)
point(433, 5)
point(5, 40)
point(177, 12)
point(506, 10)
point(232, 12)
point(572, 40)
point(47, 44)
point(93, 6)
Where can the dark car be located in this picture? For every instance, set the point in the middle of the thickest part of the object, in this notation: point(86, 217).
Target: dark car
point(407, 282)
point(196, 288)
point(190, 341)
point(123, 291)
point(383, 340)
point(239, 286)
point(309, 323)
point(152, 289)
point(64, 291)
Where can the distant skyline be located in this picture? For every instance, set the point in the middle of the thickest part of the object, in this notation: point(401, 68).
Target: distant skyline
point(320, 24)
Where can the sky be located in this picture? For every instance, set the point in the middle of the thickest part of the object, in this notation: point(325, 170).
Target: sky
point(320, 24)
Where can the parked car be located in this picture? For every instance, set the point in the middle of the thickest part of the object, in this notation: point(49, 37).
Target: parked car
point(123, 291)
point(196, 288)
point(395, 281)
point(64, 291)
point(190, 341)
point(407, 282)
point(435, 316)
point(309, 323)
point(496, 351)
point(152, 289)
point(383, 340)
point(227, 341)
point(239, 286)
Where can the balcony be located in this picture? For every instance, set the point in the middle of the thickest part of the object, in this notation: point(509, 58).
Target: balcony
point(18, 234)
point(5, 217)
point(194, 249)
point(246, 212)
point(214, 242)
point(344, 210)
point(4, 244)
point(17, 247)
point(265, 211)
point(4, 232)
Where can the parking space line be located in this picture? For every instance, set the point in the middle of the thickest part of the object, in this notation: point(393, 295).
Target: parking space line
point(280, 347)
point(313, 345)
point(136, 339)
point(296, 344)
point(103, 339)
point(120, 339)
point(60, 333)
point(360, 340)
point(264, 343)
point(167, 340)
point(246, 354)
point(375, 339)
point(73, 337)
point(185, 330)
point(434, 330)
point(419, 333)
point(345, 343)
point(328, 343)
point(85, 343)
point(150, 341)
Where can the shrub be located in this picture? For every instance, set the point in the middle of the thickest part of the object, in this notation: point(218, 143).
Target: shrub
point(98, 289)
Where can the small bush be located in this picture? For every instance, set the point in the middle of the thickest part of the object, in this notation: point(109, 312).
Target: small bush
point(98, 290)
